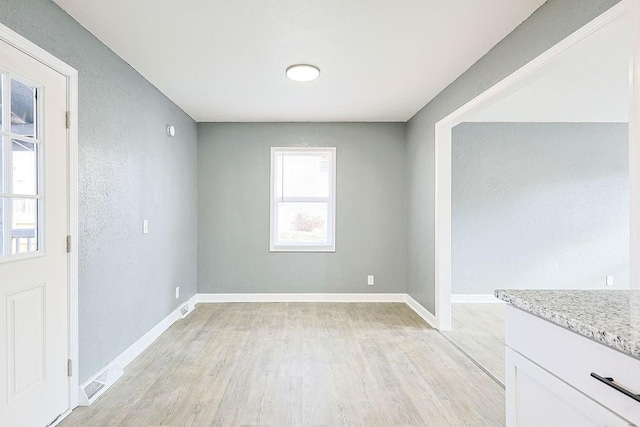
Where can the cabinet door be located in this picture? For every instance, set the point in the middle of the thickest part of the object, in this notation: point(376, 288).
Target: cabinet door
point(534, 398)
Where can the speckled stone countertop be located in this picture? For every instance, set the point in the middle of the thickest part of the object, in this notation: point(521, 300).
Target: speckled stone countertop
point(609, 317)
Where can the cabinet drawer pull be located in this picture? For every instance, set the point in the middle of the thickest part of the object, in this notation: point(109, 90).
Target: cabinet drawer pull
point(611, 383)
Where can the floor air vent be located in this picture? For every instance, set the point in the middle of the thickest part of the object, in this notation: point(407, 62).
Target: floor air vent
point(94, 387)
point(184, 310)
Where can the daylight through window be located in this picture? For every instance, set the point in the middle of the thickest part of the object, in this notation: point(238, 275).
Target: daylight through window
point(303, 199)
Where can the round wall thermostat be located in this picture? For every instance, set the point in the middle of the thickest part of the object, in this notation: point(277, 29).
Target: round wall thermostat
point(171, 130)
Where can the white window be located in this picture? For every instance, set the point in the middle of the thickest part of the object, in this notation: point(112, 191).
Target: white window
point(303, 199)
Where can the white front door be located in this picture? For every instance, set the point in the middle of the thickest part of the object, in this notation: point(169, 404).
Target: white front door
point(34, 387)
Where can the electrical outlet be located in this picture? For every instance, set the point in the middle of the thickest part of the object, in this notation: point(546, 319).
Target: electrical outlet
point(177, 292)
point(370, 280)
point(609, 281)
point(145, 226)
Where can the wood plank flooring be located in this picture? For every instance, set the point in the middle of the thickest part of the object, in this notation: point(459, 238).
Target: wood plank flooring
point(289, 364)
point(479, 330)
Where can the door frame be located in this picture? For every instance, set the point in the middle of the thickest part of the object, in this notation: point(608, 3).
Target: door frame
point(443, 149)
point(16, 40)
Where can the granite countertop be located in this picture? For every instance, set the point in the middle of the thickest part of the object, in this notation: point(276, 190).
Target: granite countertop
point(609, 317)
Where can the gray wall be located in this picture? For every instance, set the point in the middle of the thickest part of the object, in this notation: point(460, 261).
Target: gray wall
point(233, 209)
point(551, 23)
point(129, 170)
point(539, 205)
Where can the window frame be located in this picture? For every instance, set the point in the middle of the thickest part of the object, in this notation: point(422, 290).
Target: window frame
point(274, 245)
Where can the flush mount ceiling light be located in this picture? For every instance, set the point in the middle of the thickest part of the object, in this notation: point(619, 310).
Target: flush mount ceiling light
point(303, 72)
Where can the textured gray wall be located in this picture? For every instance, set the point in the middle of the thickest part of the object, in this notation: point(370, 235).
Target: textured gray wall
point(233, 209)
point(551, 23)
point(129, 170)
point(539, 205)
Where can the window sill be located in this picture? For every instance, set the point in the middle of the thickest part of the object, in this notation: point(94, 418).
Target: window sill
point(284, 248)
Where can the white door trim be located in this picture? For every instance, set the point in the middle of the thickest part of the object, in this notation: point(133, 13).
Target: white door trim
point(503, 88)
point(11, 37)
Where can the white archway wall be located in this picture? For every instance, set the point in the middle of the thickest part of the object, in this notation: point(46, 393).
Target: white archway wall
point(551, 23)
point(443, 146)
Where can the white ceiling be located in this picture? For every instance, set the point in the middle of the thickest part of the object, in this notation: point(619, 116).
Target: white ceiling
point(588, 83)
point(221, 60)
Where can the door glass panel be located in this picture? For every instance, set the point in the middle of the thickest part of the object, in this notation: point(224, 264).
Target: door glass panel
point(3, 140)
point(3, 202)
point(1, 100)
point(302, 222)
point(23, 109)
point(24, 227)
point(25, 167)
point(19, 169)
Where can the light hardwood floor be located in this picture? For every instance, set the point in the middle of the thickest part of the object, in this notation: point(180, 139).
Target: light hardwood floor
point(479, 330)
point(291, 364)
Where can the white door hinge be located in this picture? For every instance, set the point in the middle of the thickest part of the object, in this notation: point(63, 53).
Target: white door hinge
point(68, 244)
point(69, 368)
point(68, 119)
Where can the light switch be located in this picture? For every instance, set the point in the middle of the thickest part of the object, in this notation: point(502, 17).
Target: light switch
point(145, 226)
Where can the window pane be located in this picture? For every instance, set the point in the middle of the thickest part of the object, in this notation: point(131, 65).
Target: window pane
point(23, 109)
point(3, 140)
point(24, 229)
point(303, 175)
point(302, 222)
point(25, 167)
point(3, 203)
point(1, 101)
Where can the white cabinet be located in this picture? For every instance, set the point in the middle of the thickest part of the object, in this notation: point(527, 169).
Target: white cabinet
point(537, 398)
point(549, 381)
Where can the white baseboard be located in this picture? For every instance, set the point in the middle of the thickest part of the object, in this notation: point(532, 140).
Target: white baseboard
point(300, 297)
point(475, 298)
point(112, 372)
point(422, 312)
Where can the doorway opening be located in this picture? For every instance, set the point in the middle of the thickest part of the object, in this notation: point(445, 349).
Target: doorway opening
point(536, 183)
